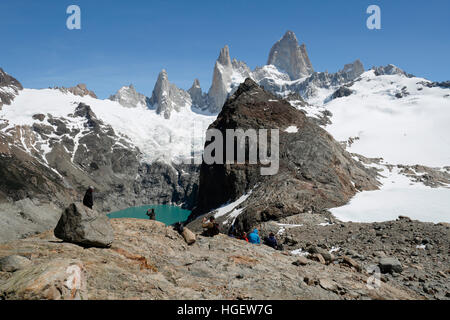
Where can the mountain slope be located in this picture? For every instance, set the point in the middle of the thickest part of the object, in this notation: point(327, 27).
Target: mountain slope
point(401, 121)
point(394, 117)
point(73, 145)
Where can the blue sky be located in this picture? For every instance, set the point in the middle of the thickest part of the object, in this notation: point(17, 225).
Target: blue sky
point(123, 42)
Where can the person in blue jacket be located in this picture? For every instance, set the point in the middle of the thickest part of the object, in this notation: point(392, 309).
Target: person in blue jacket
point(254, 237)
point(271, 241)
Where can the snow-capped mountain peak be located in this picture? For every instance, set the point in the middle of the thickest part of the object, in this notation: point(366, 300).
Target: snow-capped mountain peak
point(226, 78)
point(199, 99)
point(287, 55)
point(224, 56)
point(167, 97)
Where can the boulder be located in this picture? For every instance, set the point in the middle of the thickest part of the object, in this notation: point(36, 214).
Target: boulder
point(301, 261)
point(317, 257)
point(390, 265)
point(328, 284)
point(81, 225)
point(188, 236)
point(352, 263)
point(58, 279)
point(13, 263)
point(324, 253)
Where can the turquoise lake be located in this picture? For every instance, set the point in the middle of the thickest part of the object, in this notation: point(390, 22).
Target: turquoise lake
point(164, 213)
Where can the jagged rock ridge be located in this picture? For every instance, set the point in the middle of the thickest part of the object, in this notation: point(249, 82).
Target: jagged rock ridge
point(199, 99)
point(390, 69)
point(288, 61)
point(79, 90)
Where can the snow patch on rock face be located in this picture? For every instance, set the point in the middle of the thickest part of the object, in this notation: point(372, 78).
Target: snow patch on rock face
point(291, 129)
point(230, 208)
point(299, 252)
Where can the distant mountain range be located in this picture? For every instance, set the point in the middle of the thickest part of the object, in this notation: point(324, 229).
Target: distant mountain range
point(134, 149)
point(288, 70)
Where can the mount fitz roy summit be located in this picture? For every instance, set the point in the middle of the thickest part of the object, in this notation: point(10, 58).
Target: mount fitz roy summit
point(133, 148)
point(288, 56)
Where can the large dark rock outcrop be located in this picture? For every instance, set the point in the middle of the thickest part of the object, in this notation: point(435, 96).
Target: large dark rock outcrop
point(315, 172)
point(342, 92)
point(81, 225)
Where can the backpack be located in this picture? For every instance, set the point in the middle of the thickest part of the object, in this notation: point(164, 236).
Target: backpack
point(178, 227)
point(215, 230)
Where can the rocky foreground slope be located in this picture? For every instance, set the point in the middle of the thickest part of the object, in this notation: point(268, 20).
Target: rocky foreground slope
point(151, 261)
point(420, 251)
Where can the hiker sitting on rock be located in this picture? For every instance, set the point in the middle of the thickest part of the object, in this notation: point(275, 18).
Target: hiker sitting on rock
point(211, 226)
point(254, 237)
point(88, 199)
point(271, 241)
point(151, 214)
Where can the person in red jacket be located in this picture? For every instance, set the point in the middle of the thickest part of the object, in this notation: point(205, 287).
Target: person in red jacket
point(244, 236)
